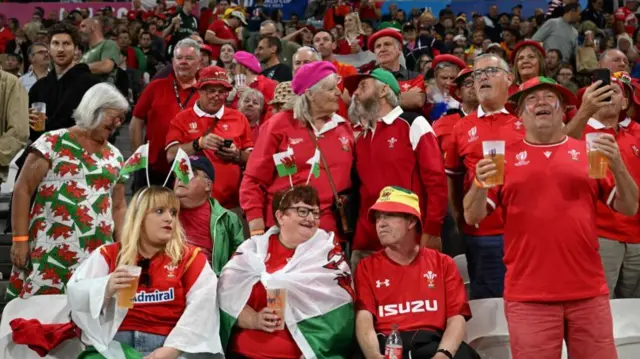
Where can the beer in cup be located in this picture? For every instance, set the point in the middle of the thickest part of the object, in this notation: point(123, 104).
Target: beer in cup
point(494, 150)
point(598, 163)
point(277, 301)
point(126, 295)
point(40, 109)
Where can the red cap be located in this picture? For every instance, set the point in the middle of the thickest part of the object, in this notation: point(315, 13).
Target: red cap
point(524, 43)
point(462, 75)
point(450, 59)
point(213, 75)
point(382, 33)
point(206, 48)
point(568, 98)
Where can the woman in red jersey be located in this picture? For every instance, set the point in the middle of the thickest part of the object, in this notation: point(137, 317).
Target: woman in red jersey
point(286, 294)
point(176, 287)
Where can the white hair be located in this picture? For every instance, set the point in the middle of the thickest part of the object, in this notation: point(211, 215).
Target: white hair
point(313, 52)
point(391, 97)
point(301, 110)
point(251, 93)
point(188, 42)
point(501, 62)
point(90, 111)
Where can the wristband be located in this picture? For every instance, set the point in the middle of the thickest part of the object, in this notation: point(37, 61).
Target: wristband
point(478, 183)
point(257, 232)
point(20, 238)
point(445, 352)
point(196, 144)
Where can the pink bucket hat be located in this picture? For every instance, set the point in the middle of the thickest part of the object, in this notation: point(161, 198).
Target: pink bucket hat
point(248, 60)
point(310, 74)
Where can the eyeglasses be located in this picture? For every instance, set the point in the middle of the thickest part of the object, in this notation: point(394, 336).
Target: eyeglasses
point(303, 212)
point(489, 71)
point(467, 84)
point(145, 278)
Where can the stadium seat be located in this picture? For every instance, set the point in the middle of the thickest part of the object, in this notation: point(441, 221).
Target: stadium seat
point(57, 311)
point(626, 327)
point(6, 187)
point(461, 262)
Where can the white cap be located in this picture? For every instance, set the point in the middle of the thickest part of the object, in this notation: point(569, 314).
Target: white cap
point(239, 15)
point(459, 37)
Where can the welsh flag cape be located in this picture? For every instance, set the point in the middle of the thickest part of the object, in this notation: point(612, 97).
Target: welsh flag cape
point(319, 311)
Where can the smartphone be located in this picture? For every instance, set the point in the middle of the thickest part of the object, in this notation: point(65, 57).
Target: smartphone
point(603, 75)
point(227, 143)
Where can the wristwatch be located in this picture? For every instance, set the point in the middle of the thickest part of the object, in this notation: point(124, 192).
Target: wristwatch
point(196, 145)
point(445, 352)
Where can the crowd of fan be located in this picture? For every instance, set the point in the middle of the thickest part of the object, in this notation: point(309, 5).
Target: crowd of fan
point(349, 133)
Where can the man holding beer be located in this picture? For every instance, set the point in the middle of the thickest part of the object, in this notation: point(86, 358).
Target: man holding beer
point(490, 122)
point(555, 286)
point(618, 235)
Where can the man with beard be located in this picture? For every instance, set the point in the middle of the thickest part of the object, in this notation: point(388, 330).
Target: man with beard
point(62, 89)
point(268, 53)
point(104, 55)
point(159, 103)
point(405, 146)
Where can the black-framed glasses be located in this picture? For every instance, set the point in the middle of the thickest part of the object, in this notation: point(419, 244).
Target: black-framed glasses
point(303, 212)
point(491, 71)
point(467, 83)
point(145, 278)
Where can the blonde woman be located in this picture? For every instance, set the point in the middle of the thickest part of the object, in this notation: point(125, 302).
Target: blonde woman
point(354, 39)
point(176, 287)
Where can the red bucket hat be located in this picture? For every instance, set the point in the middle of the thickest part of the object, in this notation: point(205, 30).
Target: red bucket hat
point(568, 98)
point(524, 43)
point(448, 58)
point(213, 75)
point(462, 75)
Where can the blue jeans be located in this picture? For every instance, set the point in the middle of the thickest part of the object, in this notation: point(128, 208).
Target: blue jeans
point(485, 265)
point(143, 343)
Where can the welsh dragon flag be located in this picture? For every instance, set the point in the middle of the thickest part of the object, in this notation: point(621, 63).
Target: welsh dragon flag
point(285, 163)
point(314, 162)
point(137, 161)
point(319, 310)
point(181, 167)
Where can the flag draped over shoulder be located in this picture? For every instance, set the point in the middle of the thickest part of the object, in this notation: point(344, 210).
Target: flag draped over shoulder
point(319, 311)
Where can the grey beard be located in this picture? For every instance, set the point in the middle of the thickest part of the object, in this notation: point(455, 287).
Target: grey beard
point(364, 114)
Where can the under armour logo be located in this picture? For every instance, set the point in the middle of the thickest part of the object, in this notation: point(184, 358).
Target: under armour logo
point(386, 283)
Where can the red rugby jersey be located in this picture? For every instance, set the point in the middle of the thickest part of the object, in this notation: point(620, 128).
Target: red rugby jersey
point(421, 295)
point(549, 212)
point(465, 150)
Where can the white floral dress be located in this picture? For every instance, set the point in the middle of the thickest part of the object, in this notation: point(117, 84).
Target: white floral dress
point(71, 214)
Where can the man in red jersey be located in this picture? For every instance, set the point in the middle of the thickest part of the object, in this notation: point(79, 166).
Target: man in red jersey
point(159, 103)
point(491, 121)
point(223, 31)
point(403, 143)
point(325, 44)
point(618, 235)
point(417, 289)
point(555, 287)
point(220, 132)
point(387, 45)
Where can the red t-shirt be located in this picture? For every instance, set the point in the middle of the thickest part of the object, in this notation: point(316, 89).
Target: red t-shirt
point(222, 31)
point(258, 344)
point(194, 123)
point(157, 106)
point(158, 307)
point(264, 85)
point(627, 18)
point(549, 210)
point(610, 224)
point(418, 296)
point(344, 48)
point(5, 36)
point(465, 150)
point(444, 129)
point(196, 223)
point(367, 13)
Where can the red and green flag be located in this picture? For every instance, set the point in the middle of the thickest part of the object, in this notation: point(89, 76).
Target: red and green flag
point(139, 160)
point(285, 163)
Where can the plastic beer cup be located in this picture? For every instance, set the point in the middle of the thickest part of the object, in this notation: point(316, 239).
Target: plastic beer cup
point(127, 295)
point(494, 150)
point(40, 109)
point(277, 301)
point(598, 163)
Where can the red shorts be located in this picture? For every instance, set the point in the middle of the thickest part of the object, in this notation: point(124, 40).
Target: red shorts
point(536, 330)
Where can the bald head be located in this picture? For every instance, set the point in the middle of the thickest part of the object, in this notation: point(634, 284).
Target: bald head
point(614, 60)
point(303, 56)
point(268, 28)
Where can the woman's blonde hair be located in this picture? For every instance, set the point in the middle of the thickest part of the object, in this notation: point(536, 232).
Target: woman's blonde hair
point(143, 203)
point(356, 19)
point(301, 105)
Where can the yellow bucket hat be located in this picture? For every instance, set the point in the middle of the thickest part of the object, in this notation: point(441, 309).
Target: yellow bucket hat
point(397, 200)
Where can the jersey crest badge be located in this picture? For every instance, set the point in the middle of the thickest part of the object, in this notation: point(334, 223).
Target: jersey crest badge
point(431, 277)
point(473, 134)
point(574, 154)
point(522, 159)
point(171, 270)
point(392, 141)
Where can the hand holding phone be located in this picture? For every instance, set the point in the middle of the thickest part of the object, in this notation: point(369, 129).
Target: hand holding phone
point(227, 143)
point(603, 75)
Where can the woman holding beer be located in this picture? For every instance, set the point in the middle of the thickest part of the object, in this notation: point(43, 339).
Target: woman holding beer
point(72, 174)
point(151, 291)
point(278, 291)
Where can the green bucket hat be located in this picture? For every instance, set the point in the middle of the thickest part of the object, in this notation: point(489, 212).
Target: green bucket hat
point(384, 76)
point(568, 98)
point(92, 353)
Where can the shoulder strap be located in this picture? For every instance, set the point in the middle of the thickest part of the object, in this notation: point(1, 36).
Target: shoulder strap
point(326, 167)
